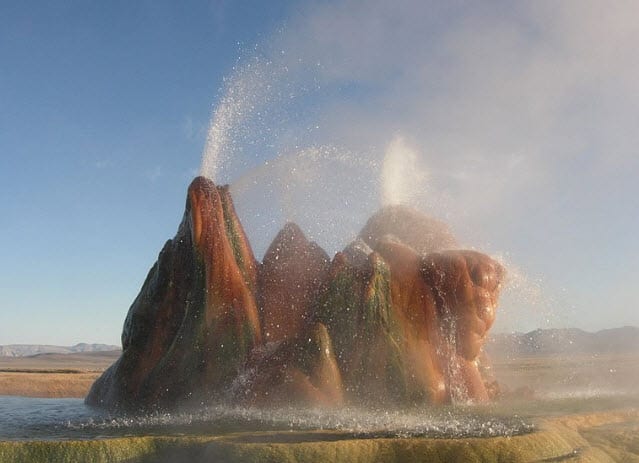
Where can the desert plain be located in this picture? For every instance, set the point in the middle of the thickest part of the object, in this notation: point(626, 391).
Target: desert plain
point(53, 375)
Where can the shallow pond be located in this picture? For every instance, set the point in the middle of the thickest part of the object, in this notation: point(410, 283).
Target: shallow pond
point(46, 419)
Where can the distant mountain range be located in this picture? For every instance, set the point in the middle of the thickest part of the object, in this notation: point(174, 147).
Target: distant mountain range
point(565, 341)
point(538, 342)
point(24, 350)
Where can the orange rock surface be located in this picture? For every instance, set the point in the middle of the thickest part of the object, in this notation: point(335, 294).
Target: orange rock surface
point(301, 371)
point(195, 320)
point(465, 287)
point(291, 275)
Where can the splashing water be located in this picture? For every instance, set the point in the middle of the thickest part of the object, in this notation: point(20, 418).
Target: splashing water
point(262, 112)
point(240, 93)
point(327, 190)
point(402, 175)
point(70, 418)
point(447, 350)
point(525, 293)
point(246, 90)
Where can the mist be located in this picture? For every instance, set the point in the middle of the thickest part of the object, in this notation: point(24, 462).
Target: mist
point(513, 123)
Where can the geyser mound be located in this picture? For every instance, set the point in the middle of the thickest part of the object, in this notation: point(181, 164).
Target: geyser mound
point(398, 317)
point(410, 227)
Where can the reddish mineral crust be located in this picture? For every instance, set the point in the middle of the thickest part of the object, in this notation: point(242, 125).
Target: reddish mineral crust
point(395, 318)
point(291, 274)
point(301, 370)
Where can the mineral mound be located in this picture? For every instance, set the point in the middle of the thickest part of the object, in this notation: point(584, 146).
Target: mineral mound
point(398, 317)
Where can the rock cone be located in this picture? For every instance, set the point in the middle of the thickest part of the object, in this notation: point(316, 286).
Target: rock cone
point(356, 308)
point(291, 275)
point(195, 321)
point(397, 317)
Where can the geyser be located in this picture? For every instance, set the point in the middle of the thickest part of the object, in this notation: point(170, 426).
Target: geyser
point(398, 317)
point(401, 172)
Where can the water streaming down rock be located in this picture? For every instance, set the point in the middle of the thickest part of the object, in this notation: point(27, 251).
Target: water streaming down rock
point(396, 318)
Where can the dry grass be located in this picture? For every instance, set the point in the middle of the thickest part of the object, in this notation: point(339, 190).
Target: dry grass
point(53, 375)
point(595, 373)
point(46, 384)
point(90, 361)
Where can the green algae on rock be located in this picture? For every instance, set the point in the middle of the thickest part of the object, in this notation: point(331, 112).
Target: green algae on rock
point(356, 308)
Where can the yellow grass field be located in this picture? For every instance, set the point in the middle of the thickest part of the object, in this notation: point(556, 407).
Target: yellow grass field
point(53, 375)
point(46, 384)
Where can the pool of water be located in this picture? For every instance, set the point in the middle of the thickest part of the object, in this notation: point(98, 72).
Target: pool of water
point(57, 419)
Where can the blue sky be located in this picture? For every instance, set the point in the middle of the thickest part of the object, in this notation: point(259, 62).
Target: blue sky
point(99, 109)
point(521, 118)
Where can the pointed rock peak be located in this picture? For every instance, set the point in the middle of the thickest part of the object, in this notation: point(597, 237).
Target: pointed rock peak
point(201, 184)
point(201, 201)
point(291, 275)
point(202, 190)
point(358, 246)
point(291, 241)
point(291, 235)
point(195, 321)
point(213, 221)
point(292, 231)
point(202, 187)
point(409, 226)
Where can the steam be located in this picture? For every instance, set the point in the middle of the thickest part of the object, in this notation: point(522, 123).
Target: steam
point(402, 177)
point(513, 108)
point(327, 190)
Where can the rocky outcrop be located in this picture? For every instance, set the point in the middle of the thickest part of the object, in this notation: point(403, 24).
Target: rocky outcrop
point(356, 308)
point(296, 371)
point(409, 327)
point(195, 321)
point(291, 275)
point(465, 288)
point(414, 309)
point(397, 317)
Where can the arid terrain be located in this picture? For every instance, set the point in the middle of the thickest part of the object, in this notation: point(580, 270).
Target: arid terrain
point(545, 369)
point(53, 375)
point(549, 363)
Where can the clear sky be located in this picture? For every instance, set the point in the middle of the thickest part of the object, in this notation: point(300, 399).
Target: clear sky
point(518, 124)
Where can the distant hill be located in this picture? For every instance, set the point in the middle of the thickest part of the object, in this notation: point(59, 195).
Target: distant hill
point(24, 350)
point(537, 342)
point(565, 341)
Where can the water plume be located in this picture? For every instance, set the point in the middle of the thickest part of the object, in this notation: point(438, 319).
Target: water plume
point(402, 176)
point(239, 116)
